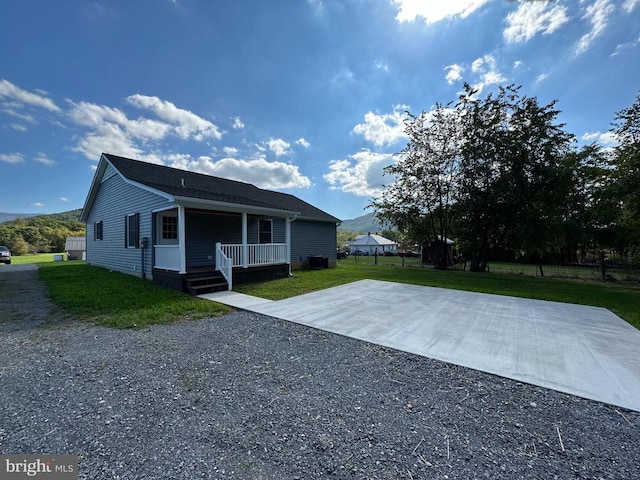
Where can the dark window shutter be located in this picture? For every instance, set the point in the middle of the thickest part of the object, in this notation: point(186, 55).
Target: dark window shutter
point(137, 220)
point(126, 231)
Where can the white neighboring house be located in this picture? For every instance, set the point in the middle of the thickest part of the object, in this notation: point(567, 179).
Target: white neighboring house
point(370, 243)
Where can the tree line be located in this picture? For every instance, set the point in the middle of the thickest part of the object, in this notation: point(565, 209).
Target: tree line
point(503, 177)
point(42, 233)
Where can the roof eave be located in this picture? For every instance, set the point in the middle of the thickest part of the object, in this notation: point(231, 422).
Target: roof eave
point(93, 189)
point(192, 202)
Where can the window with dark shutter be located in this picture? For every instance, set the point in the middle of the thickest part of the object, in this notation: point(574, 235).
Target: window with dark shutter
point(132, 231)
point(97, 230)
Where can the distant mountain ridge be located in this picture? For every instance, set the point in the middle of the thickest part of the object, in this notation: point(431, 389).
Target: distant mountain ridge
point(6, 217)
point(364, 224)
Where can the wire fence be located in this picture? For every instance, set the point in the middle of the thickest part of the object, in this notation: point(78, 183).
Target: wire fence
point(590, 271)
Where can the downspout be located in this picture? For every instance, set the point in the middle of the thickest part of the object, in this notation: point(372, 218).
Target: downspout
point(288, 239)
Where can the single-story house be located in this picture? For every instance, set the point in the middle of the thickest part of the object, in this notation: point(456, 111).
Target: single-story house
point(370, 244)
point(76, 248)
point(197, 232)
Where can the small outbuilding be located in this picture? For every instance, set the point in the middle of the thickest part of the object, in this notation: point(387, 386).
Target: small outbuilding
point(76, 248)
point(370, 244)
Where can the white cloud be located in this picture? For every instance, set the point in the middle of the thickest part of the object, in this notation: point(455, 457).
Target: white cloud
point(434, 11)
point(43, 159)
point(11, 157)
point(533, 17)
point(629, 5)
point(454, 73)
point(385, 129)
point(22, 97)
point(278, 146)
point(485, 67)
point(22, 116)
point(598, 14)
point(100, 116)
point(316, 6)
point(541, 77)
point(259, 172)
point(237, 123)
point(517, 64)
point(302, 142)
point(381, 65)
point(360, 174)
point(606, 139)
point(625, 46)
point(186, 124)
point(231, 151)
point(112, 132)
point(343, 76)
point(37, 204)
point(20, 128)
point(64, 199)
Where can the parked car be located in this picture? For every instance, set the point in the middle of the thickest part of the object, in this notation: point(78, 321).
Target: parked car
point(5, 255)
point(359, 252)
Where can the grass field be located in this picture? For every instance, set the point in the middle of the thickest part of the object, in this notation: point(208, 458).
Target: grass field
point(119, 300)
point(38, 258)
point(125, 301)
point(624, 300)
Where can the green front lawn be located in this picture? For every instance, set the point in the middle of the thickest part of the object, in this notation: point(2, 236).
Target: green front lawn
point(119, 300)
point(125, 301)
point(624, 300)
point(37, 258)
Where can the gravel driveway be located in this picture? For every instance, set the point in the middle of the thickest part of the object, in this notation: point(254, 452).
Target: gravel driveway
point(248, 396)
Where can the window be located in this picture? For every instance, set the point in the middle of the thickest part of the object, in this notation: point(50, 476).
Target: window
point(266, 228)
point(169, 228)
point(132, 231)
point(97, 230)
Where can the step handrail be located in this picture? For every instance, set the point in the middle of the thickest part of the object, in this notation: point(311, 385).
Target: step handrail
point(224, 265)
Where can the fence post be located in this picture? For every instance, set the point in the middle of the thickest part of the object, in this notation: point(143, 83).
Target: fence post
point(602, 267)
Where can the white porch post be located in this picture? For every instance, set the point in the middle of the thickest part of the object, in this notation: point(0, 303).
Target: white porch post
point(245, 249)
point(182, 240)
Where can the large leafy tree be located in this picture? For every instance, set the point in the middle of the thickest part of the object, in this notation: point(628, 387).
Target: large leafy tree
point(513, 180)
point(587, 210)
point(626, 183)
point(491, 168)
point(420, 199)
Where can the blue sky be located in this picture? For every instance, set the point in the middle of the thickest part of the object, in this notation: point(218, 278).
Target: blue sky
point(302, 96)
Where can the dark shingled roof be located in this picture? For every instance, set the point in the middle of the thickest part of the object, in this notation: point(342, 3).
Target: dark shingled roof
point(207, 187)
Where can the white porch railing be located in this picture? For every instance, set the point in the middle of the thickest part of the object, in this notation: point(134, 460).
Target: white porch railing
point(167, 257)
point(252, 255)
point(224, 265)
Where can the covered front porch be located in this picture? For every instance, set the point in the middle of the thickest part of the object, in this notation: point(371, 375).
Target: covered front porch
point(202, 243)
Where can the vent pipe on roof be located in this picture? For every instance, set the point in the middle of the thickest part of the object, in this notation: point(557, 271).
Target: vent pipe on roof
point(182, 182)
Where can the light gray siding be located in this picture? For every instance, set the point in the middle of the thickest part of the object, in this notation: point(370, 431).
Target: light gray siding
point(309, 238)
point(114, 200)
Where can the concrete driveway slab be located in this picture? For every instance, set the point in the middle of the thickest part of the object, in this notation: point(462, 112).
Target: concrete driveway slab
point(576, 349)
